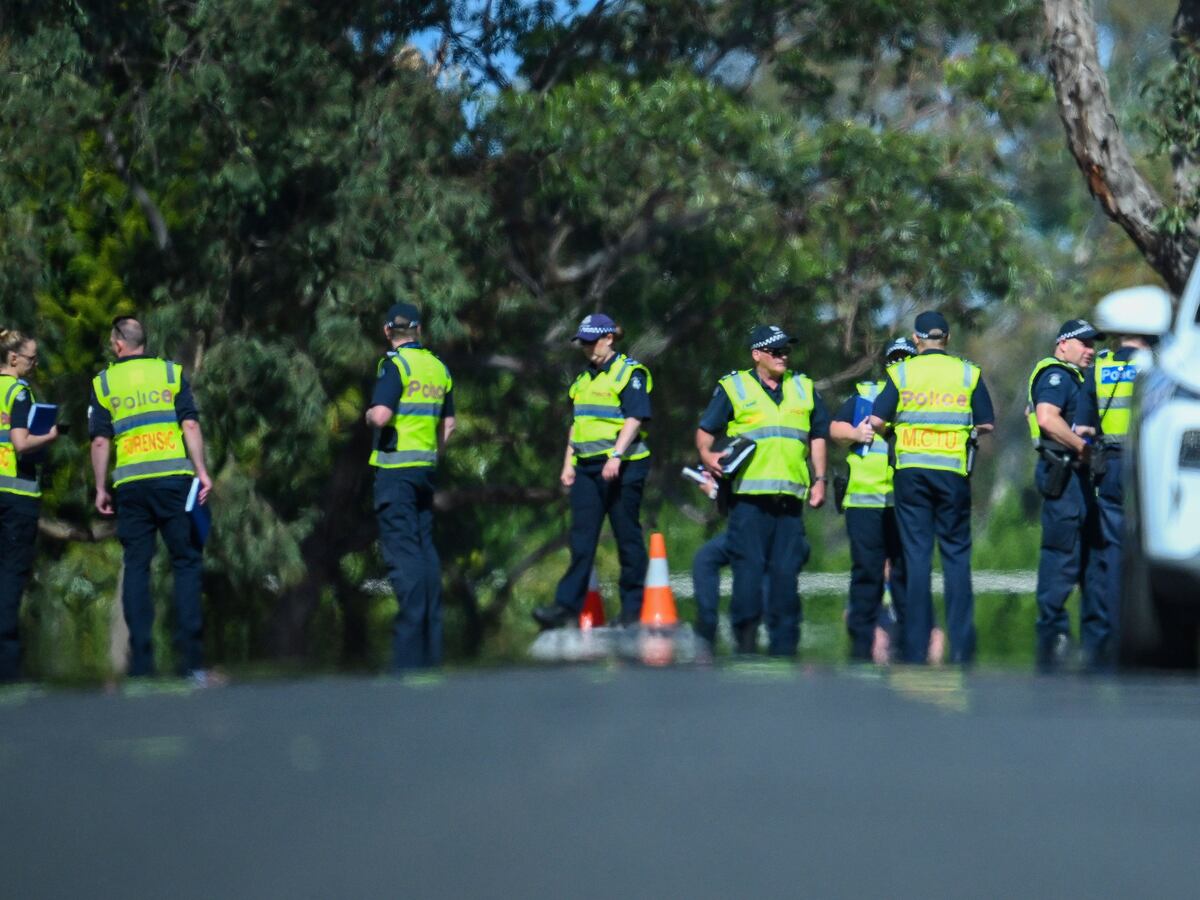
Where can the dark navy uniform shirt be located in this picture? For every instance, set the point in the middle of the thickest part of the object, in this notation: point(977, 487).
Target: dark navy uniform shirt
point(22, 404)
point(982, 412)
point(1058, 386)
point(634, 397)
point(720, 410)
point(389, 387)
point(100, 419)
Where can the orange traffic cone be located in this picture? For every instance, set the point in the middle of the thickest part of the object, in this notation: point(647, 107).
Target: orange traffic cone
point(592, 614)
point(658, 603)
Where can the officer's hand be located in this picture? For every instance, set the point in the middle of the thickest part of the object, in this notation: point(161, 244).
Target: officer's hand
point(568, 475)
point(612, 469)
point(816, 495)
point(52, 434)
point(205, 487)
point(864, 433)
point(104, 504)
point(712, 462)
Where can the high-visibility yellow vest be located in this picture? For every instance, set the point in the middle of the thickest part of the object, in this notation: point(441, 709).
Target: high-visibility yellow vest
point(417, 415)
point(933, 417)
point(139, 394)
point(1035, 431)
point(10, 483)
point(597, 408)
point(780, 433)
point(870, 484)
point(1114, 393)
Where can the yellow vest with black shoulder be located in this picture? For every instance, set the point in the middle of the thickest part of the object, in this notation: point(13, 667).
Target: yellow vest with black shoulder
point(597, 410)
point(870, 484)
point(933, 416)
point(426, 382)
point(1114, 393)
point(139, 394)
point(1035, 431)
point(10, 481)
point(780, 433)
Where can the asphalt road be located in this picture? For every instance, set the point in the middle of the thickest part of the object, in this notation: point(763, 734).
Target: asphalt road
point(607, 782)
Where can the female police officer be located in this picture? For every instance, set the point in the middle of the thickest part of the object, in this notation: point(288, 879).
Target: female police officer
point(605, 467)
point(20, 492)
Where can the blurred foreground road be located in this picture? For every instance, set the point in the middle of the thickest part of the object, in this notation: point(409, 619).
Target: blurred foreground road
point(597, 782)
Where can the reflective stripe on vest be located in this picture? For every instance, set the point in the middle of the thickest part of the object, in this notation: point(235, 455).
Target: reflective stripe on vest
point(10, 480)
point(1114, 393)
point(780, 432)
point(425, 382)
point(870, 485)
point(868, 501)
point(1035, 431)
point(139, 395)
point(933, 415)
point(596, 409)
point(152, 469)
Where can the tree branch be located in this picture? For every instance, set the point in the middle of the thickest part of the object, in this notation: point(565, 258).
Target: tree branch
point(94, 532)
point(1095, 139)
point(158, 225)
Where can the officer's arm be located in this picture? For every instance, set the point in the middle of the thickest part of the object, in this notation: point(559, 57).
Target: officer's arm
point(379, 416)
point(1054, 426)
point(884, 409)
point(626, 437)
point(193, 439)
point(444, 432)
point(704, 446)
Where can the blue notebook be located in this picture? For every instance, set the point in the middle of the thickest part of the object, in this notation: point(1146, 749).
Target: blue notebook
point(200, 514)
point(862, 410)
point(42, 417)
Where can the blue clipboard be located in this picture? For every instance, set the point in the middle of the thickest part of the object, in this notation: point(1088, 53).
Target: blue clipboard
point(862, 411)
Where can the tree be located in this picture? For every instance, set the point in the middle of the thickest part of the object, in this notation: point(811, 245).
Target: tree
point(1166, 232)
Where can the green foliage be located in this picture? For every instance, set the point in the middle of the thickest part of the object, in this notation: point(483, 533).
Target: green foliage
point(260, 180)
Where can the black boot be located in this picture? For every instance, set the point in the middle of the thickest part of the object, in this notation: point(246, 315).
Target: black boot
point(553, 616)
point(745, 637)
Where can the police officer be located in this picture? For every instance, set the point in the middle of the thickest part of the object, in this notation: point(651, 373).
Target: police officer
point(1110, 396)
point(780, 411)
point(412, 411)
point(20, 491)
point(605, 467)
point(870, 516)
point(935, 400)
point(145, 405)
point(1061, 425)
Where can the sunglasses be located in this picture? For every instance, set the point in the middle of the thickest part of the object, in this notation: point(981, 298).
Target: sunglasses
point(776, 352)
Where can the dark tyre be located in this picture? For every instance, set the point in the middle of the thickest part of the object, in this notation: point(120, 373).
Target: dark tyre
point(1154, 632)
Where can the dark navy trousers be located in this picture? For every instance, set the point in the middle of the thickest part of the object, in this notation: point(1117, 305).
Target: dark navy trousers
point(404, 511)
point(1110, 501)
point(874, 540)
point(146, 509)
point(706, 584)
point(768, 541)
point(932, 504)
point(592, 499)
point(1071, 555)
point(18, 536)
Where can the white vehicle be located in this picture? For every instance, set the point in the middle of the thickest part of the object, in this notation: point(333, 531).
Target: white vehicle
point(1160, 603)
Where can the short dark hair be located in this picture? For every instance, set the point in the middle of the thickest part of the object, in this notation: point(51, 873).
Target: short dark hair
point(130, 330)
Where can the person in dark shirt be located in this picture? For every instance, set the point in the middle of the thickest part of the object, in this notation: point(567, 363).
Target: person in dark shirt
point(1063, 425)
point(143, 406)
point(781, 412)
point(412, 412)
point(935, 404)
point(20, 491)
point(605, 466)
